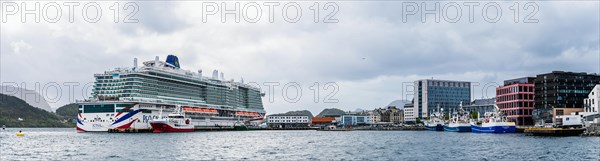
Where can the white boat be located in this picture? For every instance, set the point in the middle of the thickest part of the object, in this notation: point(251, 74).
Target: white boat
point(459, 122)
point(435, 122)
point(175, 122)
point(493, 122)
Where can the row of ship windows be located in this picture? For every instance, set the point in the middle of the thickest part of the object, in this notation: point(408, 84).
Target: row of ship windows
point(170, 90)
point(288, 117)
point(292, 121)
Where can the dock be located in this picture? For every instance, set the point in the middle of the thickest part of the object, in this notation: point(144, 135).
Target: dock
point(200, 129)
point(403, 128)
point(553, 132)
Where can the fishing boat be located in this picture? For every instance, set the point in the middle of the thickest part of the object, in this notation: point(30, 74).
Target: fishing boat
point(459, 122)
point(493, 122)
point(435, 122)
point(175, 122)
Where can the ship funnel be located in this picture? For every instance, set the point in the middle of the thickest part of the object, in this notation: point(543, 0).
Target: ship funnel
point(215, 74)
point(200, 72)
point(135, 62)
point(156, 61)
point(222, 76)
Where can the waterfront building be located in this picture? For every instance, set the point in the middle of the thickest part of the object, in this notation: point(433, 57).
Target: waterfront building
point(410, 116)
point(591, 107)
point(516, 100)
point(393, 115)
point(288, 120)
point(375, 116)
point(430, 94)
point(481, 106)
point(355, 120)
point(591, 103)
point(323, 121)
point(561, 90)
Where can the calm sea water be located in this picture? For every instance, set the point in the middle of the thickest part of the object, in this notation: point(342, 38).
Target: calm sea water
point(66, 144)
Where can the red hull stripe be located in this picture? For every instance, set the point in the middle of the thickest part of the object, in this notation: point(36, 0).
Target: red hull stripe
point(160, 127)
point(126, 108)
point(79, 129)
point(126, 126)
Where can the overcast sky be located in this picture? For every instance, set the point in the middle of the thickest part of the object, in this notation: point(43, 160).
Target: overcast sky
point(369, 53)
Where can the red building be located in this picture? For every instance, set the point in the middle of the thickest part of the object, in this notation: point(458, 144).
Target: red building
point(516, 100)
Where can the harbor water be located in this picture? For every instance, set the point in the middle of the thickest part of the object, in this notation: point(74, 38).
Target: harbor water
point(66, 144)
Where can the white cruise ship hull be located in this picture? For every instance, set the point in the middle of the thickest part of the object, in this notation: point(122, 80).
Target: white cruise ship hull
point(139, 119)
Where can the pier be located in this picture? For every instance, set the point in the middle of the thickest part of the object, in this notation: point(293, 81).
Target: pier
point(553, 132)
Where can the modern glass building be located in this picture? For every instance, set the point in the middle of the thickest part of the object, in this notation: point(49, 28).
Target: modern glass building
point(430, 94)
point(560, 89)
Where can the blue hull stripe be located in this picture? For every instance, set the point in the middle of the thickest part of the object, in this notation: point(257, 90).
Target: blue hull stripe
point(79, 121)
point(125, 117)
point(435, 128)
point(493, 129)
point(458, 129)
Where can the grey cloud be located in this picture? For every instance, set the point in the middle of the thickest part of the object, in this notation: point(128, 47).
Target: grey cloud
point(393, 51)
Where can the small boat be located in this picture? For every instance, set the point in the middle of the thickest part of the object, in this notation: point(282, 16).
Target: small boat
point(175, 122)
point(240, 126)
point(459, 121)
point(435, 123)
point(494, 122)
point(20, 133)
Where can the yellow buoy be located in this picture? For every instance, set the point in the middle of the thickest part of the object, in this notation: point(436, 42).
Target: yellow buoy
point(20, 134)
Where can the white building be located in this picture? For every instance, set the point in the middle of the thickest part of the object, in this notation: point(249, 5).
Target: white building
point(374, 116)
point(353, 120)
point(410, 115)
point(591, 107)
point(288, 121)
point(590, 104)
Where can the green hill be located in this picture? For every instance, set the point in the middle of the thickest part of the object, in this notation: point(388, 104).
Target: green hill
point(331, 112)
point(12, 108)
point(68, 112)
point(303, 112)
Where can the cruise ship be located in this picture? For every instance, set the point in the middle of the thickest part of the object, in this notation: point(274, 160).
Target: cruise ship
point(129, 98)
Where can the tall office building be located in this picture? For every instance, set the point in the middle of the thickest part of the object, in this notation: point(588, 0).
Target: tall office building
point(429, 94)
point(516, 100)
point(558, 92)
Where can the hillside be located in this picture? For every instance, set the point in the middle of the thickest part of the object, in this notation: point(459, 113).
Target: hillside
point(68, 112)
point(32, 98)
point(303, 112)
point(12, 108)
point(328, 112)
point(398, 103)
